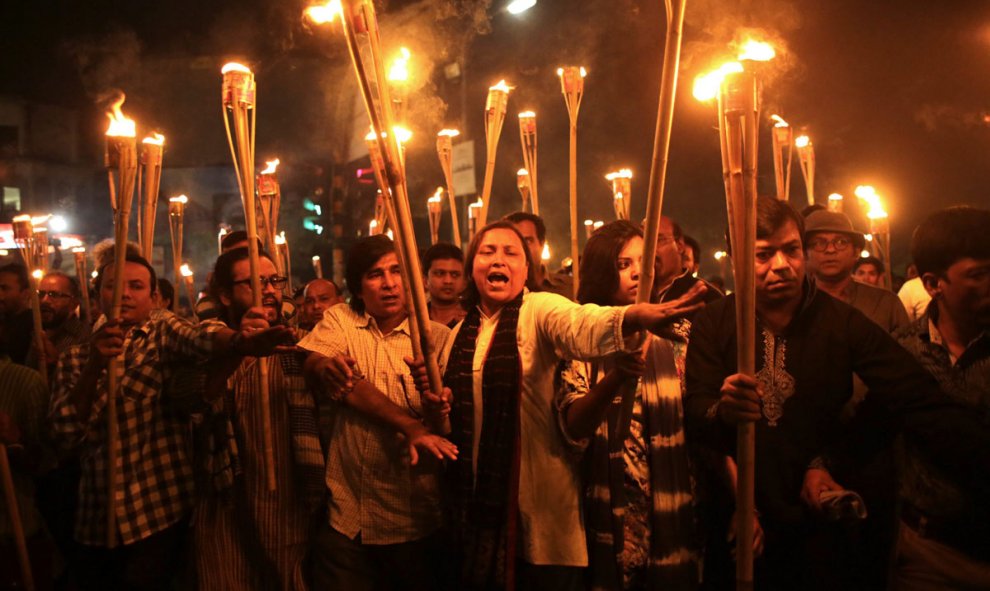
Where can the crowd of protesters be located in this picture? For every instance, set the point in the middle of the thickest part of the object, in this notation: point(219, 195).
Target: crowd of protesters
point(583, 444)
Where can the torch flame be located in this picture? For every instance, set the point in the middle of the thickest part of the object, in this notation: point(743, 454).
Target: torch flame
point(234, 67)
point(449, 132)
point(835, 197)
point(522, 172)
point(757, 51)
point(271, 165)
point(581, 70)
point(399, 71)
point(280, 238)
point(180, 199)
point(545, 255)
point(120, 126)
point(501, 86)
point(402, 134)
point(802, 141)
point(185, 270)
point(155, 138)
point(38, 274)
point(436, 198)
point(527, 115)
point(869, 194)
point(624, 173)
point(324, 13)
point(706, 85)
point(778, 121)
point(79, 249)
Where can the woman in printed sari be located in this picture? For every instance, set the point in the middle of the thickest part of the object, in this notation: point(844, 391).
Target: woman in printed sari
point(639, 498)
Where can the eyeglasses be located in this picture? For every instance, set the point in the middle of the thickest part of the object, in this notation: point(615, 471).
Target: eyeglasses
point(55, 295)
point(276, 281)
point(820, 244)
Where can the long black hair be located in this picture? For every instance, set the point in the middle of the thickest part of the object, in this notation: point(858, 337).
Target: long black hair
point(599, 269)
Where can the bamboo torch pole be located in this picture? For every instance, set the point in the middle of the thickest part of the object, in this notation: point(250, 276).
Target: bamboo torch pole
point(474, 214)
point(525, 186)
point(527, 136)
point(434, 210)
point(121, 154)
point(189, 284)
point(151, 177)
point(621, 190)
point(781, 137)
point(495, 107)
point(176, 221)
point(658, 176)
point(835, 202)
point(27, 240)
point(445, 151)
point(738, 116)
point(806, 158)
point(14, 513)
point(82, 276)
point(239, 101)
point(359, 18)
point(572, 86)
point(269, 205)
point(317, 266)
point(282, 246)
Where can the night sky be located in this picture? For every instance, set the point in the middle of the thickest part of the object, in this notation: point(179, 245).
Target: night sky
point(894, 93)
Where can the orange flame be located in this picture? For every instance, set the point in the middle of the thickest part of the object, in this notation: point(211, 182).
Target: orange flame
point(399, 70)
point(436, 198)
point(624, 173)
point(155, 138)
point(779, 121)
point(448, 132)
point(185, 270)
point(180, 199)
point(324, 13)
point(706, 86)
point(501, 86)
point(757, 51)
point(271, 166)
point(802, 141)
point(235, 67)
point(120, 126)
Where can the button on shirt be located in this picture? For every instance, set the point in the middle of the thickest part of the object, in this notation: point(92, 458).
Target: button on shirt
point(156, 483)
point(374, 491)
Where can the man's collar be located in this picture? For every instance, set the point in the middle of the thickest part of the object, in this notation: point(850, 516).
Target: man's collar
point(367, 321)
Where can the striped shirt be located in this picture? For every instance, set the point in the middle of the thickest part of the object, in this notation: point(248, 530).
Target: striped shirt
point(156, 485)
point(255, 538)
point(374, 491)
point(24, 397)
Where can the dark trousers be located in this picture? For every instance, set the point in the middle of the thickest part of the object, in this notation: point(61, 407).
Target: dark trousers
point(538, 577)
point(339, 562)
point(148, 564)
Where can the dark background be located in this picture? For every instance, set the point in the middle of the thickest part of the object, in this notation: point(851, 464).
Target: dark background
point(892, 92)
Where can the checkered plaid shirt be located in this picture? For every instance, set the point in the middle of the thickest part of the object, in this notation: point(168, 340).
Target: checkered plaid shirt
point(156, 485)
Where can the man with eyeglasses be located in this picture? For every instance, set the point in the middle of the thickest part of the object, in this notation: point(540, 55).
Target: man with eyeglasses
point(833, 247)
point(156, 488)
point(246, 536)
point(58, 295)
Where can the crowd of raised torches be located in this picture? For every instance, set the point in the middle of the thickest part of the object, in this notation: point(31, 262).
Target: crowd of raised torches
point(785, 145)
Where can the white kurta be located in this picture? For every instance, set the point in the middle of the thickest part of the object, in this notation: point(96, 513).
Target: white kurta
point(550, 328)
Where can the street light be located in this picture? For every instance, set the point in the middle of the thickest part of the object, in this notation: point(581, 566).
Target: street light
point(520, 6)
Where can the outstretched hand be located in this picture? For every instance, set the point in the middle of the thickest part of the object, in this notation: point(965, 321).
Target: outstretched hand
point(658, 317)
